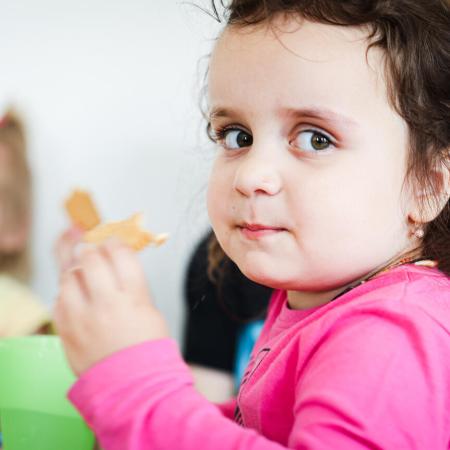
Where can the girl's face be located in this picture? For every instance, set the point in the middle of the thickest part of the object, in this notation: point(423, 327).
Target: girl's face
point(306, 190)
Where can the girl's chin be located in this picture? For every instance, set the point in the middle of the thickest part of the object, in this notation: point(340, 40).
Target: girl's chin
point(281, 279)
point(272, 280)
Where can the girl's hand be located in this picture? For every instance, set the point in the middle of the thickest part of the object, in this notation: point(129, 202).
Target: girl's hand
point(104, 306)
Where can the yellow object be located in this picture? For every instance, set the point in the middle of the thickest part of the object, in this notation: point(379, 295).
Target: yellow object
point(128, 231)
point(82, 210)
point(21, 312)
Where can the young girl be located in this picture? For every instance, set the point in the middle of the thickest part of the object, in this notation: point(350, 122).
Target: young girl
point(331, 184)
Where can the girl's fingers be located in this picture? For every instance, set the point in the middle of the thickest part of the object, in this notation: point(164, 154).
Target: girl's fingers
point(98, 274)
point(71, 298)
point(71, 289)
point(106, 269)
point(129, 271)
point(65, 247)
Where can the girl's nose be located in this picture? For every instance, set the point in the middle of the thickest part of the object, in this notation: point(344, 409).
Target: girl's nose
point(255, 175)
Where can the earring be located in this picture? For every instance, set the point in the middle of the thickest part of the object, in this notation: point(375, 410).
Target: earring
point(418, 232)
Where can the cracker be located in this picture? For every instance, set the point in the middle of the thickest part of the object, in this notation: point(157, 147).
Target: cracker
point(127, 231)
point(82, 210)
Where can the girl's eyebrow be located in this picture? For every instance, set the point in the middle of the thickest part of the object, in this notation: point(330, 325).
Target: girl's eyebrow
point(324, 114)
point(217, 113)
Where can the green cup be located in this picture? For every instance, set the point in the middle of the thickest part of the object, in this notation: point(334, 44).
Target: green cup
point(34, 411)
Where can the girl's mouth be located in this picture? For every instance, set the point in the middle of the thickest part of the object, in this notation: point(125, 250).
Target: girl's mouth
point(255, 231)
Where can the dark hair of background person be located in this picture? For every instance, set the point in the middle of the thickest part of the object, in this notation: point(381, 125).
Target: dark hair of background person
point(216, 310)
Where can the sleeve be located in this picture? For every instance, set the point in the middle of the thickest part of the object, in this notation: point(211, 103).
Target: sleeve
point(228, 408)
point(376, 380)
point(149, 402)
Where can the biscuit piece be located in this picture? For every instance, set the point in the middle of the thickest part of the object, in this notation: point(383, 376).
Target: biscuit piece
point(82, 210)
point(128, 231)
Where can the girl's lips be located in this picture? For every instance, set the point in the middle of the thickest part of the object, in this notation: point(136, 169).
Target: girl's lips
point(257, 231)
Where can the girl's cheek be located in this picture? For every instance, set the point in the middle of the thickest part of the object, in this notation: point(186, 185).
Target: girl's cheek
point(218, 196)
point(211, 198)
point(213, 204)
point(215, 182)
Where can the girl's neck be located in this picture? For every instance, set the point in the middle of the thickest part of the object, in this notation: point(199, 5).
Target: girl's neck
point(308, 300)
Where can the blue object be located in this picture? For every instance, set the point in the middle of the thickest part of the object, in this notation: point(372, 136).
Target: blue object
point(246, 339)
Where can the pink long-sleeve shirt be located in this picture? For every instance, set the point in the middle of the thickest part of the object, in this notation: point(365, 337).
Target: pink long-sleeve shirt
point(369, 370)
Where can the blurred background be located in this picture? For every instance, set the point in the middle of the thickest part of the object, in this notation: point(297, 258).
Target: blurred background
point(109, 91)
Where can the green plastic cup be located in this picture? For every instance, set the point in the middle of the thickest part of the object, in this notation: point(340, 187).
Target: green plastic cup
point(34, 411)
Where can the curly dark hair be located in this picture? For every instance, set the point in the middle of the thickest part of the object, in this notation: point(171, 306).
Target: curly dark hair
point(415, 38)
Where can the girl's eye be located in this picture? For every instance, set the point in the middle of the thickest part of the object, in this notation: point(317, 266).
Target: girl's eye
point(311, 141)
point(234, 138)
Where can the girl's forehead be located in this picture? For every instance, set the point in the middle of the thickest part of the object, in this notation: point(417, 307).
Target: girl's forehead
point(310, 40)
point(297, 59)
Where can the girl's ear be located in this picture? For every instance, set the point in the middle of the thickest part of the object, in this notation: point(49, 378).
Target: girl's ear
point(430, 202)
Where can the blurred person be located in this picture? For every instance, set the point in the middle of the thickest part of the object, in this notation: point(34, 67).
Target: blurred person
point(21, 312)
point(225, 312)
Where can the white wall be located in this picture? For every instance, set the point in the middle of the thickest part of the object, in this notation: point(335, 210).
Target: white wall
point(110, 91)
